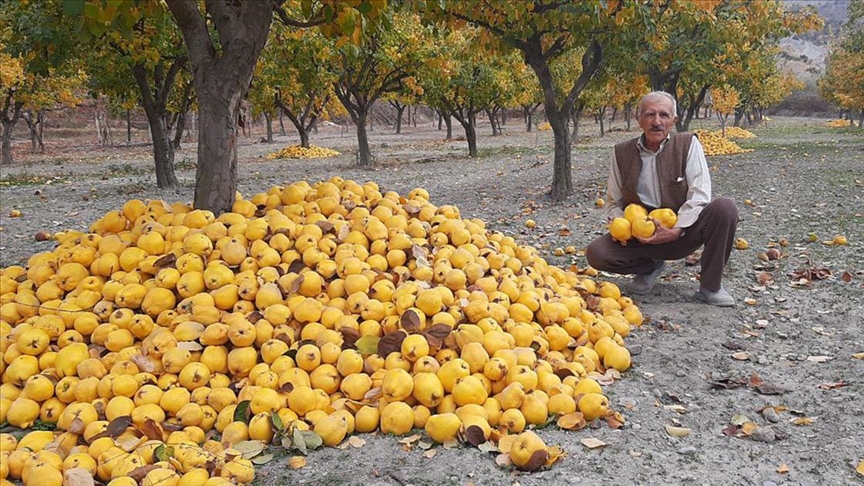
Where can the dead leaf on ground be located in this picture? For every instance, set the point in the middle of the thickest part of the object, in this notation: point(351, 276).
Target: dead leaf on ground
point(860, 468)
point(592, 443)
point(677, 431)
point(858, 355)
point(503, 460)
point(410, 439)
point(832, 386)
point(765, 278)
point(506, 443)
point(783, 468)
point(356, 442)
point(803, 421)
point(297, 462)
point(819, 359)
point(78, 476)
point(741, 356)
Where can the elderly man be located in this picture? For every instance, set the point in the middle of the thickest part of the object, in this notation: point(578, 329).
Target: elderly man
point(660, 169)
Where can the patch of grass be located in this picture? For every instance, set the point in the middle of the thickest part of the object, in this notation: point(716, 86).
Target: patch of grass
point(186, 164)
point(505, 150)
point(127, 169)
point(25, 179)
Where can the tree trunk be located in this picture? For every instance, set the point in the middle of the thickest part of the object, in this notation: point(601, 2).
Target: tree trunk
point(558, 116)
point(7, 126)
point(364, 155)
point(602, 116)
point(157, 119)
point(575, 116)
point(414, 117)
point(440, 119)
point(491, 116)
point(178, 130)
point(221, 79)
point(268, 118)
point(35, 124)
point(693, 107)
point(449, 123)
point(628, 114)
point(281, 125)
point(128, 126)
point(297, 122)
point(737, 121)
point(399, 110)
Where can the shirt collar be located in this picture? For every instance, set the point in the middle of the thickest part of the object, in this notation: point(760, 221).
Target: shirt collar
point(640, 144)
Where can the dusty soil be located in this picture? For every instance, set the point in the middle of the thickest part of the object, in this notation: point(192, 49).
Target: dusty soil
point(799, 337)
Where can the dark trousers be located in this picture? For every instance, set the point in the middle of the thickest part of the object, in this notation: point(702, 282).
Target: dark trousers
point(715, 229)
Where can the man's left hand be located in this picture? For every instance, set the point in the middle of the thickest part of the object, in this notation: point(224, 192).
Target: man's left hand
point(661, 235)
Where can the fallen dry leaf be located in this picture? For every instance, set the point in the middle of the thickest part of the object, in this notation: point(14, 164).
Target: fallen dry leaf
point(819, 359)
point(783, 468)
point(356, 442)
point(831, 386)
point(430, 453)
point(411, 439)
point(802, 421)
point(741, 356)
point(592, 443)
point(750, 301)
point(297, 462)
point(677, 431)
point(503, 460)
point(858, 355)
point(860, 468)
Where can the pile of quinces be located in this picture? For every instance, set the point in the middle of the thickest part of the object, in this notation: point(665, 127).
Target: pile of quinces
point(165, 339)
point(716, 144)
point(736, 132)
point(638, 222)
point(301, 152)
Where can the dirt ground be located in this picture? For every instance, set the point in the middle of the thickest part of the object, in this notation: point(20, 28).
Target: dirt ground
point(697, 367)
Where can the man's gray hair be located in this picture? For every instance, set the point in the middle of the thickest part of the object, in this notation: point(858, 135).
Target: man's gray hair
point(658, 94)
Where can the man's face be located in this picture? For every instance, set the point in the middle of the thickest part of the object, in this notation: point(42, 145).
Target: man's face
point(656, 119)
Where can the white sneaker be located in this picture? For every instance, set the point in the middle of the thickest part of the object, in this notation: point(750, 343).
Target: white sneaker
point(720, 298)
point(642, 284)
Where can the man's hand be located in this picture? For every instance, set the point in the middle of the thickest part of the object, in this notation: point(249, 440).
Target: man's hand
point(661, 235)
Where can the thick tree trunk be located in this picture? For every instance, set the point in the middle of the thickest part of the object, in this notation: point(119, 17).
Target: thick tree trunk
point(364, 155)
point(281, 125)
point(268, 119)
point(440, 119)
point(449, 123)
point(221, 79)
point(216, 176)
point(302, 131)
point(558, 115)
point(6, 143)
point(8, 118)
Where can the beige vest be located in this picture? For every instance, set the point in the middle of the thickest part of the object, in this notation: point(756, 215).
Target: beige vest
point(671, 168)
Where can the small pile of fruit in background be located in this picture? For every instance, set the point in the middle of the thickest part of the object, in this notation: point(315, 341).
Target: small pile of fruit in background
point(170, 346)
point(638, 222)
point(840, 123)
point(736, 132)
point(300, 152)
point(715, 144)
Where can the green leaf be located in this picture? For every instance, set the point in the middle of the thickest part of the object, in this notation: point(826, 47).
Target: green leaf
point(242, 412)
point(367, 345)
point(298, 441)
point(73, 7)
point(163, 452)
point(277, 421)
point(311, 439)
point(262, 459)
point(250, 448)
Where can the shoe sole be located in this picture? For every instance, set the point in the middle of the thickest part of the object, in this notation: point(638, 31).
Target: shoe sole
point(701, 297)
